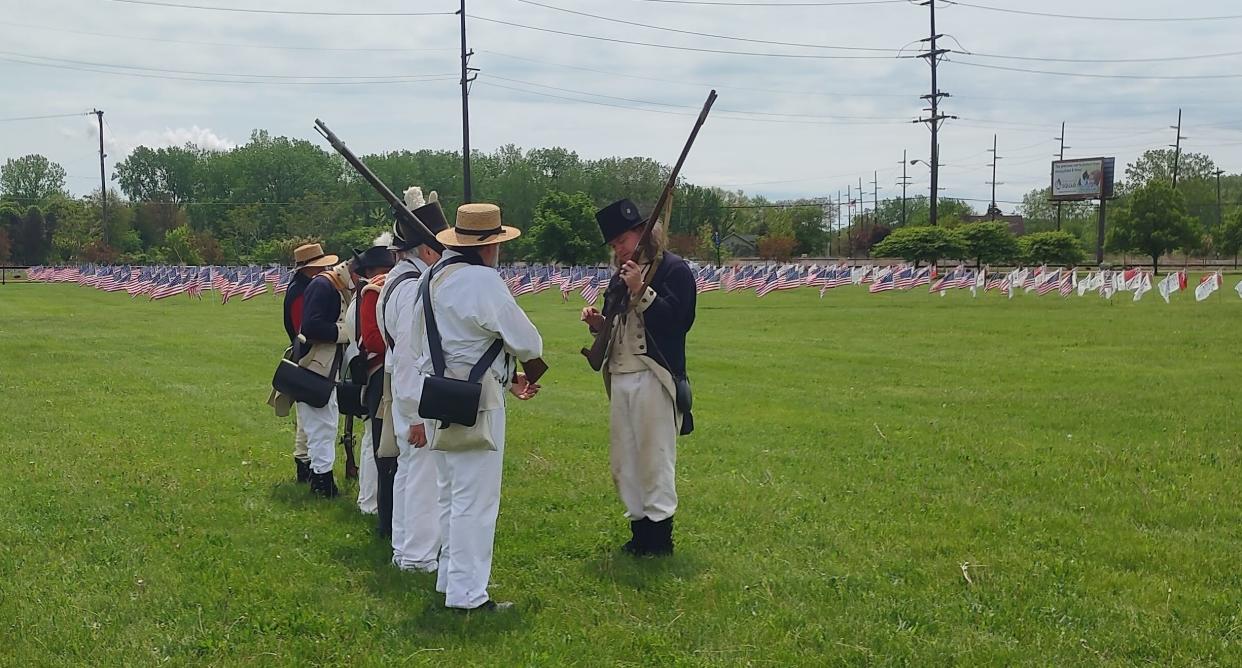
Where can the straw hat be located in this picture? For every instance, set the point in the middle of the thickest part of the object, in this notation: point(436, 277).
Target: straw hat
point(312, 255)
point(478, 225)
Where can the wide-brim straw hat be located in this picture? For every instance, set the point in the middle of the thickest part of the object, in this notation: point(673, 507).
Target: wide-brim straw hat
point(312, 255)
point(478, 225)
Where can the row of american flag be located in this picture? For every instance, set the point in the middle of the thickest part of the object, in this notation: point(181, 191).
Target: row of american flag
point(160, 282)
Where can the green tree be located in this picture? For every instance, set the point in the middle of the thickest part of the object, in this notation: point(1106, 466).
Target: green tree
point(1154, 222)
point(989, 243)
point(564, 230)
point(168, 174)
point(921, 244)
point(1054, 248)
point(1229, 239)
point(180, 246)
point(31, 179)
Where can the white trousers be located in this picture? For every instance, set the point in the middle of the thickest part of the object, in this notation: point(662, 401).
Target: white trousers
point(320, 425)
point(469, 484)
point(299, 437)
point(643, 454)
point(415, 514)
point(368, 474)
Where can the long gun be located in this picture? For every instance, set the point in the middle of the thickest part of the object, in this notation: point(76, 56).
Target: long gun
point(398, 207)
point(617, 296)
point(534, 368)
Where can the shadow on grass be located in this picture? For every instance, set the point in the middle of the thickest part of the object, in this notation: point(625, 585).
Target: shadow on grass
point(641, 573)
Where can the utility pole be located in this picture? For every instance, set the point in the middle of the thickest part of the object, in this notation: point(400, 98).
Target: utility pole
point(905, 182)
point(466, 78)
point(841, 229)
point(993, 209)
point(1177, 147)
point(103, 182)
point(1220, 216)
point(1061, 156)
point(875, 197)
point(933, 122)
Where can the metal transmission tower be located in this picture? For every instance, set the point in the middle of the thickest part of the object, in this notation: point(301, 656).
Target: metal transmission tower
point(1177, 147)
point(467, 76)
point(992, 208)
point(936, 119)
point(1061, 156)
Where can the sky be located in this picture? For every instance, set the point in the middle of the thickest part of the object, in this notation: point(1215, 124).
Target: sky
point(796, 115)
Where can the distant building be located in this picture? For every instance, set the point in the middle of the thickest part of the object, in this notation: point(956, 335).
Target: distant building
point(1017, 224)
point(741, 245)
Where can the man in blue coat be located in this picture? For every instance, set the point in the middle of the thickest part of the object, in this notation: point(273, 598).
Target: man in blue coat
point(645, 376)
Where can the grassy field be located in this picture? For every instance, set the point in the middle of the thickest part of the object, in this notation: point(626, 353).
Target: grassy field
point(896, 479)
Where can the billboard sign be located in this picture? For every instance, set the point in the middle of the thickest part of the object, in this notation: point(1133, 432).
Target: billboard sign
point(1090, 178)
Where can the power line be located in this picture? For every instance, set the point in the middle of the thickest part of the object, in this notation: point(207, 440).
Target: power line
point(1091, 75)
point(841, 3)
point(161, 70)
point(696, 84)
point(1167, 19)
point(679, 106)
point(36, 118)
point(702, 34)
point(229, 45)
point(1162, 59)
point(677, 48)
point(246, 10)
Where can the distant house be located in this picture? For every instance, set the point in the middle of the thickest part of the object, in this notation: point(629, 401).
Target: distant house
point(1017, 224)
point(741, 245)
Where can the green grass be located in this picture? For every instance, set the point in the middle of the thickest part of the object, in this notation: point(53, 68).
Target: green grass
point(851, 455)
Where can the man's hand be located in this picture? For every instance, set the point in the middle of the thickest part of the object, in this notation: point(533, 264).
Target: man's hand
point(632, 274)
point(593, 318)
point(522, 388)
point(418, 435)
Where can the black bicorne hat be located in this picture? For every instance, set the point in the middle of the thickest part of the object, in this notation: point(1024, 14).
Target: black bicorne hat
point(375, 256)
point(432, 216)
point(618, 217)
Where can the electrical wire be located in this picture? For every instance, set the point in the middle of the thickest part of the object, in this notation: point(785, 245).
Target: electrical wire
point(246, 10)
point(840, 3)
point(1091, 75)
point(702, 34)
point(229, 45)
point(803, 56)
point(145, 75)
point(1141, 19)
point(36, 118)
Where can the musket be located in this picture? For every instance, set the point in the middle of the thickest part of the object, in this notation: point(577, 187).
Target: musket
point(534, 368)
point(617, 296)
point(398, 207)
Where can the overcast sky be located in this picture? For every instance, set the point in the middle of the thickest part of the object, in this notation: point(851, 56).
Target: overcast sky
point(810, 125)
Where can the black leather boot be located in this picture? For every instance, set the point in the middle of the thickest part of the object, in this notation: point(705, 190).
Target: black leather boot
point(387, 467)
point(304, 472)
point(322, 484)
point(660, 538)
point(638, 538)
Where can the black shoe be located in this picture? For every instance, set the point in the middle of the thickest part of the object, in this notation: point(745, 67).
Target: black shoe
point(489, 606)
point(637, 546)
point(387, 467)
point(322, 484)
point(660, 538)
point(304, 472)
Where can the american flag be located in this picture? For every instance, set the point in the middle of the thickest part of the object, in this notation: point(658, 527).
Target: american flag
point(886, 280)
point(256, 286)
point(282, 286)
point(168, 285)
point(904, 278)
point(1049, 281)
point(593, 288)
point(522, 286)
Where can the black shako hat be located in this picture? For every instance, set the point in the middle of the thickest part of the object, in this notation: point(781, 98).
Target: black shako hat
point(371, 258)
point(432, 216)
point(618, 217)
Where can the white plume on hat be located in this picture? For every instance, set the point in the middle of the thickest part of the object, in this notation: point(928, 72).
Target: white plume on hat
point(414, 197)
point(384, 240)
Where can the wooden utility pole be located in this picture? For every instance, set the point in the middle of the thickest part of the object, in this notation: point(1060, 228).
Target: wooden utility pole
point(905, 182)
point(1177, 147)
point(933, 55)
point(103, 182)
point(466, 78)
point(1060, 156)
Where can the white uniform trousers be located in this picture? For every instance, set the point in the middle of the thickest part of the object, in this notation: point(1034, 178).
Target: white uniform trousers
point(415, 517)
point(368, 474)
point(469, 484)
point(643, 453)
point(320, 425)
point(299, 437)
